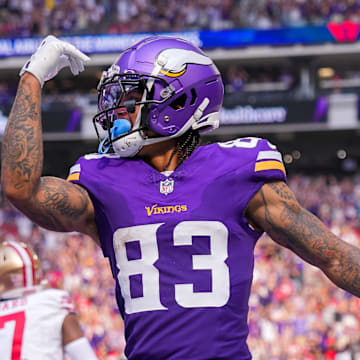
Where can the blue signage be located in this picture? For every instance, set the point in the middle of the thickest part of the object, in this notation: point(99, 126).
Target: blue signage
point(100, 44)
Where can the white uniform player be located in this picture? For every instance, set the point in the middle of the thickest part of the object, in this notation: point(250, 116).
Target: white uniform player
point(36, 322)
point(32, 325)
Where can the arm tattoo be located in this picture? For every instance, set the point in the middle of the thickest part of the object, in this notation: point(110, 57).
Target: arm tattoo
point(307, 236)
point(60, 204)
point(282, 190)
point(50, 202)
point(294, 227)
point(22, 152)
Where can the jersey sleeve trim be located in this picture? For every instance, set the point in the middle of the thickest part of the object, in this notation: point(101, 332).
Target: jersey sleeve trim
point(66, 303)
point(269, 155)
point(270, 165)
point(73, 177)
point(74, 173)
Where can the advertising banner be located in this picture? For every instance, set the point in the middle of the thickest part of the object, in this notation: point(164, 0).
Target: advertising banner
point(287, 112)
point(344, 32)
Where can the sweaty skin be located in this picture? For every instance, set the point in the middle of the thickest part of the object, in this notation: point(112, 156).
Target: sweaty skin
point(58, 205)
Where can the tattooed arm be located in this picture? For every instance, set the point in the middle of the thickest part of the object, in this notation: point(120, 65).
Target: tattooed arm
point(275, 210)
point(52, 203)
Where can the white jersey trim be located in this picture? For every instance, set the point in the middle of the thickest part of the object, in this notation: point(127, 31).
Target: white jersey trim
point(269, 155)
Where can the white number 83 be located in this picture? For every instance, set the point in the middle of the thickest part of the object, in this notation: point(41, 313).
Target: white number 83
point(184, 293)
point(245, 143)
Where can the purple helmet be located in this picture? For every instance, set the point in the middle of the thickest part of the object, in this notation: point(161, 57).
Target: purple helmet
point(180, 88)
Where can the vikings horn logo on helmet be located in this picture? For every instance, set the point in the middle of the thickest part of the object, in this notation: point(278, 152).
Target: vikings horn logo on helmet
point(174, 61)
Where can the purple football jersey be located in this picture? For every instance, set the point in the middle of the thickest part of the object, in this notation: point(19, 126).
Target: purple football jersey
point(180, 248)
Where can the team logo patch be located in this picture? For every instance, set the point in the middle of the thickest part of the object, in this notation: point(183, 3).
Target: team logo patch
point(167, 186)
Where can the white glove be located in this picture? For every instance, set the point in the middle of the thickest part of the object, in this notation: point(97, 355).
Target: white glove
point(53, 55)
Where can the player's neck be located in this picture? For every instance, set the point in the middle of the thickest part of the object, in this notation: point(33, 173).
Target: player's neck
point(161, 163)
point(159, 156)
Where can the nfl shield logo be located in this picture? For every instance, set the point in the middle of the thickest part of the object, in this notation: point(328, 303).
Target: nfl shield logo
point(167, 186)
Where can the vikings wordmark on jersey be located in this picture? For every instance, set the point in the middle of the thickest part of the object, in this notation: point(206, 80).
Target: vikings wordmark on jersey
point(190, 267)
point(157, 210)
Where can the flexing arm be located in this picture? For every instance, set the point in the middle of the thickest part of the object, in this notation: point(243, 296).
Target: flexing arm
point(275, 210)
point(50, 202)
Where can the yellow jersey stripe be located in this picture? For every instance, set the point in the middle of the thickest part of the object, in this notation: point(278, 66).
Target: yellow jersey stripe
point(74, 176)
point(270, 165)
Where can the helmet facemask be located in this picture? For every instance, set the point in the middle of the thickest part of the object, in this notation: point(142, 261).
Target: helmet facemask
point(119, 95)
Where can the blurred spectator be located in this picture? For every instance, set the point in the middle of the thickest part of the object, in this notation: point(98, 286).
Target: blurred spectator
point(235, 79)
point(260, 80)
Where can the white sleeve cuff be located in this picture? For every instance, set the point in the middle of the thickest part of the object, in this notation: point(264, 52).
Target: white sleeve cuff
point(80, 349)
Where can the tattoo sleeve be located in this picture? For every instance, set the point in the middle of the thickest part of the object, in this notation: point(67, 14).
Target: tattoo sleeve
point(59, 205)
point(22, 151)
point(50, 202)
point(302, 232)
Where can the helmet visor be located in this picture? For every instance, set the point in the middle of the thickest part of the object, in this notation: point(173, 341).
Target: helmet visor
point(114, 94)
point(119, 95)
point(117, 99)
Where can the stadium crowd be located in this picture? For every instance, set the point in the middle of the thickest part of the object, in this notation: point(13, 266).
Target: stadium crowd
point(268, 14)
point(19, 18)
point(64, 17)
point(296, 313)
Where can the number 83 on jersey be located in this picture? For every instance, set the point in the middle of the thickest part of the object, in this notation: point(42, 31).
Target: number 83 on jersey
point(185, 296)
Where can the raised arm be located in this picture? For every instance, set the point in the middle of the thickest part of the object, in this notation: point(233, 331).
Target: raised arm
point(275, 210)
point(52, 203)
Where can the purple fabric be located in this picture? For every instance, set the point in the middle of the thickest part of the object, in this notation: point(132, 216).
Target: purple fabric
point(74, 121)
point(321, 109)
point(211, 191)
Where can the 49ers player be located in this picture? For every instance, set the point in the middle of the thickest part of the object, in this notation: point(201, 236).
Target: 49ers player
point(36, 322)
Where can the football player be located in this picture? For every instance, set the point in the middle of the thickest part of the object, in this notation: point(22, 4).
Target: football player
point(177, 221)
point(36, 322)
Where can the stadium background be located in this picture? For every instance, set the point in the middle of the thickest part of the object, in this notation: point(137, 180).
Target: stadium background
point(292, 74)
